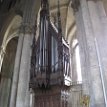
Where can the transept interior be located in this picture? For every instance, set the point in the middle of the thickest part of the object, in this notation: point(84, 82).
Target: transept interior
point(81, 30)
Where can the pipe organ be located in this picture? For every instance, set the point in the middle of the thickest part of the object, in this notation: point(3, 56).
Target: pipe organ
point(50, 76)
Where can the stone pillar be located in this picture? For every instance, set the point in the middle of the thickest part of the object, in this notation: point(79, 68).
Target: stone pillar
point(87, 27)
point(27, 100)
point(96, 91)
point(84, 54)
point(16, 72)
point(103, 50)
point(24, 70)
point(99, 24)
point(84, 59)
point(23, 84)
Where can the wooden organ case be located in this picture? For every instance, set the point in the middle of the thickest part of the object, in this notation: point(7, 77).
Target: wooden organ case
point(50, 76)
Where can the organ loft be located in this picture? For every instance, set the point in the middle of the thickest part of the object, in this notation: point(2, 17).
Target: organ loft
point(50, 63)
point(53, 53)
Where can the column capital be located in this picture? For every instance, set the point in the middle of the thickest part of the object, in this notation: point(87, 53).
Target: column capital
point(27, 28)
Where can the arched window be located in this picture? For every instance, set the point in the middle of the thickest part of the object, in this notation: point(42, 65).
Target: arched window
point(77, 62)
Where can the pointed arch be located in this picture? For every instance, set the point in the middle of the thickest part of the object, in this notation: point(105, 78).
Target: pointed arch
point(9, 31)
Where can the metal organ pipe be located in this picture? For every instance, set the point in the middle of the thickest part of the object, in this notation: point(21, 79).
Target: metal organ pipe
point(51, 52)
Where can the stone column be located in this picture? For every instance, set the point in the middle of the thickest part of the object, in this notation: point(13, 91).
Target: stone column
point(23, 84)
point(27, 100)
point(103, 51)
point(24, 69)
point(98, 17)
point(84, 54)
point(16, 72)
point(85, 17)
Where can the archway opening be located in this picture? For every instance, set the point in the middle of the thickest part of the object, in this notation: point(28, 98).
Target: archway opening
point(7, 72)
point(10, 30)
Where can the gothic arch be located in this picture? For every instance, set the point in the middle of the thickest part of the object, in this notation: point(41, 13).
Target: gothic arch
point(10, 30)
point(7, 71)
point(10, 34)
